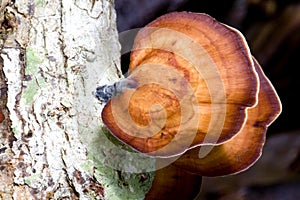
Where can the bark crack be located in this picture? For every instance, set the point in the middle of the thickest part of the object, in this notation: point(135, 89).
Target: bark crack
point(68, 178)
point(90, 8)
point(62, 42)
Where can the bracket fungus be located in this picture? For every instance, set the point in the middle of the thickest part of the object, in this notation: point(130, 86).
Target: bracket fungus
point(245, 148)
point(196, 85)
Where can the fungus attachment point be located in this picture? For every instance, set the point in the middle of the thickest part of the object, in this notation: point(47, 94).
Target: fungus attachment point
point(105, 92)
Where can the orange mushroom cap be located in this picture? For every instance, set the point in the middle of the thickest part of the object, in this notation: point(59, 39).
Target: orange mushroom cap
point(195, 79)
point(245, 148)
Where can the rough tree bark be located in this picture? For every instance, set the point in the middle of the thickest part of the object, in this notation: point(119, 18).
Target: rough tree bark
point(53, 53)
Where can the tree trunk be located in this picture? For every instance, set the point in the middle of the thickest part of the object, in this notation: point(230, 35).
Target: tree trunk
point(53, 54)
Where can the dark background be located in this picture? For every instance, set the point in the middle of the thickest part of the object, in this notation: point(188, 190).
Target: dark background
point(272, 29)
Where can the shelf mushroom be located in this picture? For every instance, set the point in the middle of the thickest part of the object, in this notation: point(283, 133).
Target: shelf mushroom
point(195, 84)
point(195, 79)
point(245, 148)
point(232, 157)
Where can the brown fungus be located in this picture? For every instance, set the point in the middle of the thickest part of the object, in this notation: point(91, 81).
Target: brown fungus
point(245, 148)
point(196, 86)
point(171, 183)
point(195, 80)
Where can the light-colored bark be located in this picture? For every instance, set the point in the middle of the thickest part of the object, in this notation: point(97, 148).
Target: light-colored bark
point(52, 143)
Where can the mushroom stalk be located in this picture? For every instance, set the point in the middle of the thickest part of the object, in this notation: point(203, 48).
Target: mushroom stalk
point(105, 92)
